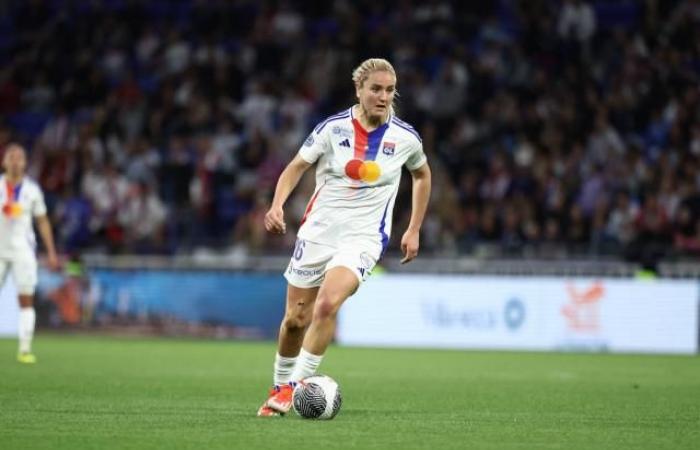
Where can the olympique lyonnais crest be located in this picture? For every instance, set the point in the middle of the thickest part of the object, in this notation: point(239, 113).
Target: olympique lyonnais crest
point(388, 148)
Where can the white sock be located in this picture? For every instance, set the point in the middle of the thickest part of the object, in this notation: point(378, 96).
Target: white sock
point(27, 319)
point(284, 365)
point(307, 363)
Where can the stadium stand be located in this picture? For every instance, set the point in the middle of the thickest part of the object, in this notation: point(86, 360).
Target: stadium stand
point(554, 130)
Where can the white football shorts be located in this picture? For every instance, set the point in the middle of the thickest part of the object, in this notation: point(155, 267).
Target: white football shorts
point(310, 261)
point(23, 267)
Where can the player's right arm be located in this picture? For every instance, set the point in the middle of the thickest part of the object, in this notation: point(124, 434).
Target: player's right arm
point(315, 145)
point(274, 219)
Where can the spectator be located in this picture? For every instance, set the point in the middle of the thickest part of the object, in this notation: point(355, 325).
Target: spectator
point(543, 146)
point(142, 216)
point(576, 21)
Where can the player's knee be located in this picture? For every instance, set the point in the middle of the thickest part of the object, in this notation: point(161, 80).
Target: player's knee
point(26, 300)
point(326, 307)
point(296, 320)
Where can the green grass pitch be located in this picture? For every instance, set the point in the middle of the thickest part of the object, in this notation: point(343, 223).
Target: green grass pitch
point(108, 393)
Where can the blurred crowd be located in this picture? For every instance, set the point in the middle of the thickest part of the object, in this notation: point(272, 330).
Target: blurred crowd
point(554, 128)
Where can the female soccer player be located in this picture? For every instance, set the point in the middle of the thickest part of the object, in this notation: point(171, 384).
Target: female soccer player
point(21, 200)
point(358, 153)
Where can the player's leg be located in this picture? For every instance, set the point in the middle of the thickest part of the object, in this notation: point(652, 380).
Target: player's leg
point(340, 283)
point(297, 316)
point(348, 268)
point(4, 270)
point(304, 275)
point(24, 270)
point(27, 321)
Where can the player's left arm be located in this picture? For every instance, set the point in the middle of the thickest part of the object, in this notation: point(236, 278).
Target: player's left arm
point(419, 205)
point(44, 227)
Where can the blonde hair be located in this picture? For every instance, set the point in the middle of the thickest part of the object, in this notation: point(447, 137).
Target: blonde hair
point(361, 72)
point(366, 67)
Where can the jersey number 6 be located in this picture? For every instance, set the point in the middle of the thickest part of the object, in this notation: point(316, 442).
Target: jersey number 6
point(299, 249)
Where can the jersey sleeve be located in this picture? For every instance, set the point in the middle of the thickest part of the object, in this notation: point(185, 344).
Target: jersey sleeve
point(314, 146)
point(417, 157)
point(39, 205)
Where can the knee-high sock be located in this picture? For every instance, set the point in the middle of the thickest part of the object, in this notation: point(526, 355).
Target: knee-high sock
point(27, 319)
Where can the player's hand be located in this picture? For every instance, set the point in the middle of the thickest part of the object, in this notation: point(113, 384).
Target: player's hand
point(52, 261)
point(409, 245)
point(274, 221)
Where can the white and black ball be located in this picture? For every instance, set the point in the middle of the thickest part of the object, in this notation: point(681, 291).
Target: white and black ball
point(317, 397)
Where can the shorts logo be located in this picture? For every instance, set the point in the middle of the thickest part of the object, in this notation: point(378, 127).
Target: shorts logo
point(388, 148)
point(305, 273)
point(309, 140)
point(367, 260)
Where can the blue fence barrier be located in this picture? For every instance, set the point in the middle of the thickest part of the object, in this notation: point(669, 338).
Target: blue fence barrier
point(247, 300)
point(234, 304)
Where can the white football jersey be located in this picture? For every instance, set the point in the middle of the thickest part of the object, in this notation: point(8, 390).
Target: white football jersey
point(357, 178)
point(18, 206)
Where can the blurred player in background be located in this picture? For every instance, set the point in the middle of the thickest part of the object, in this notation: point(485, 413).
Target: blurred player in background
point(358, 153)
point(21, 200)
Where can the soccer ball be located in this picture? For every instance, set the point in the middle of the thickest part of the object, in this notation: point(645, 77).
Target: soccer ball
point(317, 397)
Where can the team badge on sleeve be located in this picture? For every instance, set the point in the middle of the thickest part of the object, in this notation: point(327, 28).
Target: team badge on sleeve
point(309, 140)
